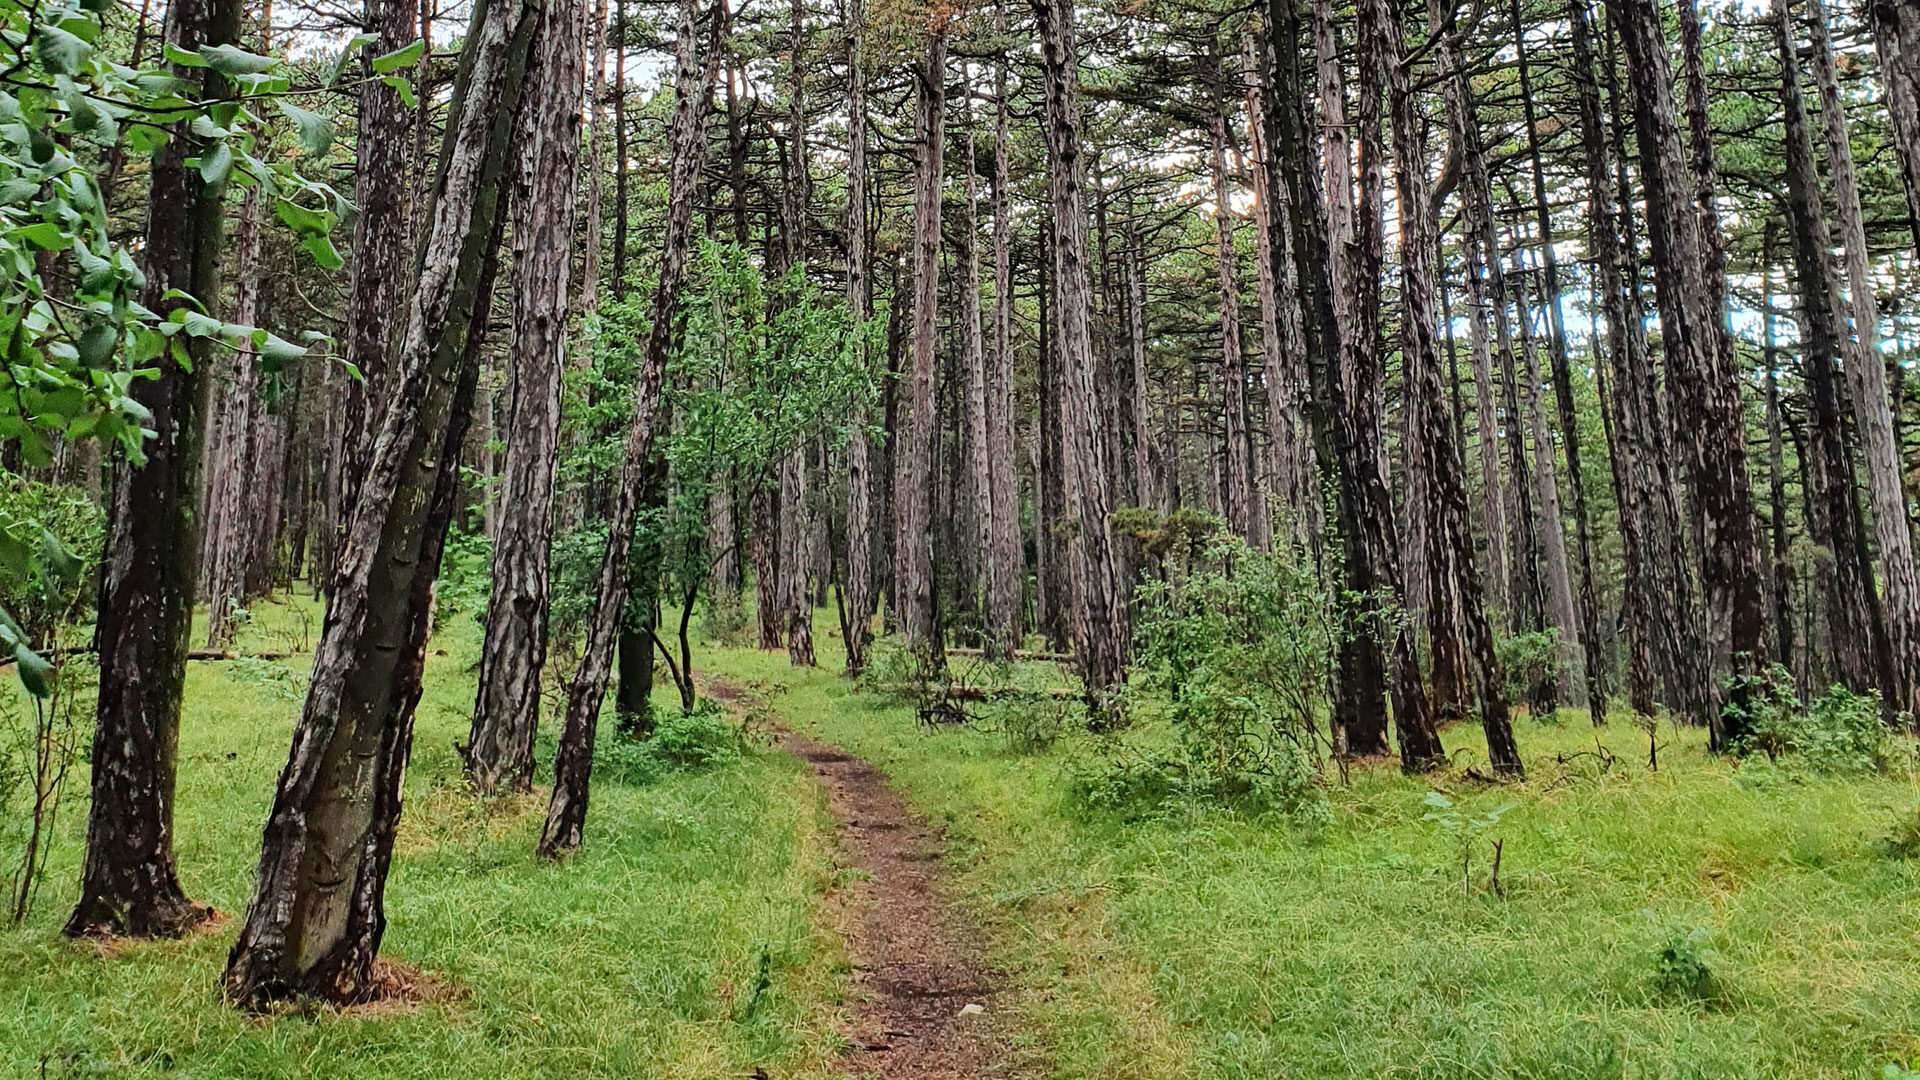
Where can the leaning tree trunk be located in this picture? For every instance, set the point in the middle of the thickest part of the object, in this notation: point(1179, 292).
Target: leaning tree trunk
point(1855, 632)
point(546, 141)
point(1867, 375)
point(129, 884)
point(316, 919)
point(913, 516)
point(573, 760)
point(1453, 584)
point(1096, 591)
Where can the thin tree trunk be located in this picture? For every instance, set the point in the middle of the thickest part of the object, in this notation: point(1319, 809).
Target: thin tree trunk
point(235, 435)
point(316, 919)
point(858, 590)
point(1587, 610)
point(573, 760)
point(1856, 633)
point(1238, 496)
point(129, 884)
point(1006, 567)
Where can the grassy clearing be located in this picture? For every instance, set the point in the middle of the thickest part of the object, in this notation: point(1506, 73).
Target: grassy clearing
point(1204, 944)
point(683, 941)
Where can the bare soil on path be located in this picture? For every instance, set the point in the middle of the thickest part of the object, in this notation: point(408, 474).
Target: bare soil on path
point(925, 1005)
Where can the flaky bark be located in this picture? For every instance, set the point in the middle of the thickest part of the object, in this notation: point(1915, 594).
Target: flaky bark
point(1238, 497)
point(913, 513)
point(128, 882)
point(1855, 632)
point(573, 760)
point(1453, 584)
point(506, 709)
point(1707, 406)
point(1867, 377)
point(858, 586)
point(1896, 38)
point(316, 919)
point(1097, 599)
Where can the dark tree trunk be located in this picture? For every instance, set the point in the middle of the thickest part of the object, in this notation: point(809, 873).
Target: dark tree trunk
point(129, 884)
point(1855, 632)
point(1896, 38)
point(1097, 598)
point(913, 493)
point(546, 141)
point(573, 760)
point(1453, 584)
point(316, 919)
point(1238, 497)
point(858, 595)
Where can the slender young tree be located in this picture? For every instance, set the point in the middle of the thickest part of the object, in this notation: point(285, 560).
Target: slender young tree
point(573, 759)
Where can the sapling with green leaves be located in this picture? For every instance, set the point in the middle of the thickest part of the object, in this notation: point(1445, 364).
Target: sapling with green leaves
point(1469, 828)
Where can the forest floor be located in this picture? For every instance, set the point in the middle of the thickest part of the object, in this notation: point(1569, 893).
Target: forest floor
point(725, 924)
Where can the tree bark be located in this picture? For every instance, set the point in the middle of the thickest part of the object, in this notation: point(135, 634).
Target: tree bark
point(1867, 378)
point(1896, 39)
point(129, 884)
point(1856, 632)
point(1700, 357)
point(1006, 568)
point(316, 919)
point(573, 760)
point(1238, 496)
point(913, 517)
point(506, 709)
point(859, 592)
point(1096, 593)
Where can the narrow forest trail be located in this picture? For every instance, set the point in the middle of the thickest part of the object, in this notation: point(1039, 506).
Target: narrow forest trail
point(925, 1004)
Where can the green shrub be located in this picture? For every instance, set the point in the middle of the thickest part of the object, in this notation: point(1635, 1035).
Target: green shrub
point(687, 742)
point(1837, 733)
point(1682, 966)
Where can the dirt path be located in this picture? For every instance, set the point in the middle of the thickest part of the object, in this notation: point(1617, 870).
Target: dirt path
point(925, 1006)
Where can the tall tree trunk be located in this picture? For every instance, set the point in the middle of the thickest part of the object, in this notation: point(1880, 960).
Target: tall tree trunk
point(129, 884)
point(506, 709)
point(573, 759)
point(1237, 496)
point(1867, 377)
point(1587, 609)
point(236, 423)
point(1558, 579)
point(1283, 347)
point(913, 519)
point(858, 589)
point(796, 532)
point(1856, 633)
point(1096, 593)
point(973, 362)
point(317, 917)
point(1700, 357)
point(381, 251)
point(1896, 38)
point(1453, 584)
point(1005, 564)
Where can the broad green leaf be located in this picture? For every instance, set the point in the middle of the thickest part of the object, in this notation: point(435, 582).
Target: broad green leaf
point(61, 52)
point(35, 673)
point(233, 60)
point(322, 250)
point(276, 350)
point(216, 164)
point(45, 235)
point(181, 56)
point(347, 54)
point(399, 58)
point(315, 131)
point(402, 86)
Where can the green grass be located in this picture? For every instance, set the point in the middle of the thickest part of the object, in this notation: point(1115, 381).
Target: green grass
point(1207, 944)
point(1198, 943)
point(638, 958)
